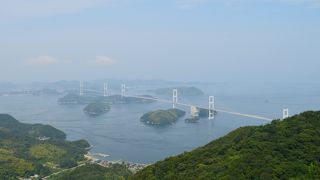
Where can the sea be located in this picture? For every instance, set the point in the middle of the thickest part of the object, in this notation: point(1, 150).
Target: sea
point(122, 136)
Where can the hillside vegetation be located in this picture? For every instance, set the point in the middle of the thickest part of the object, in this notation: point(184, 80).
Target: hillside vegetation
point(162, 117)
point(96, 109)
point(28, 149)
point(94, 172)
point(288, 149)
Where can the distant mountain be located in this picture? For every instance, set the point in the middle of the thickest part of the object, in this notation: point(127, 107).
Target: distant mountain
point(288, 149)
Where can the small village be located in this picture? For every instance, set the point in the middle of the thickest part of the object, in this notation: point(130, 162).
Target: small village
point(133, 167)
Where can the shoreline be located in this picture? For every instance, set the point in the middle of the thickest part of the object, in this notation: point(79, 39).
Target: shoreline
point(132, 166)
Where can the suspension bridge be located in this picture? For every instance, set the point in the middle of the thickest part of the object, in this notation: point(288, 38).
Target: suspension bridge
point(211, 108)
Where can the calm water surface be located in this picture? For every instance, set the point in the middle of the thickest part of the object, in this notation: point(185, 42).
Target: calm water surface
point(121, 135)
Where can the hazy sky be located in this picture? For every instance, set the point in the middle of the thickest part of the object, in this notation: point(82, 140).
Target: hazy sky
point(196, 40)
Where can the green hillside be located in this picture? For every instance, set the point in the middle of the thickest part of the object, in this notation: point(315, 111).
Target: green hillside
point(94, 172)
point(11, 127)
point(288, 149)
point(29, 149)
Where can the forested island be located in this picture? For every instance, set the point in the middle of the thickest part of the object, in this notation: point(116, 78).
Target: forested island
point(283, 149)
point(183, 91)
point(117, 99)
point(162, 117)
point(70, 99)
point(96, 109)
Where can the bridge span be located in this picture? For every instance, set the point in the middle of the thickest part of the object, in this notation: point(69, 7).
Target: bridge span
point(215, 109)
point(211, 106)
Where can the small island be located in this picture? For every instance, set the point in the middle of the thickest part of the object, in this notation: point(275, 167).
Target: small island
point(162, 117)
point(201, 113)
point(96, 109)
point(183, 91)
point(75, 99)
point(118, 99)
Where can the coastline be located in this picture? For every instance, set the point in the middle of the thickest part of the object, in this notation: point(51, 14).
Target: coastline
point(132, 166)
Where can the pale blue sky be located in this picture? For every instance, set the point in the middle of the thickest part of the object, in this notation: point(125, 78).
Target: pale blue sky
point(196, 40)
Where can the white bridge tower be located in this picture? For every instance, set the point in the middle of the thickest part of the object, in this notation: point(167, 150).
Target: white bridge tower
point(81, 93)
point(123, 90)
point(174, 98)
point(211, 107)
point(105, 89)
point(285, 113)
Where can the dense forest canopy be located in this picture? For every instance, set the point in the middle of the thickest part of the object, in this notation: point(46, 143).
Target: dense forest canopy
point(28, 149)
point(94, 172)
point(162, 117)
point(96, 109)
point(283, 149)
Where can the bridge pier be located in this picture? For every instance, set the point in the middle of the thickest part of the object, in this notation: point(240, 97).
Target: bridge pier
point(174, 98)
point(285, 113)
point(211, 107)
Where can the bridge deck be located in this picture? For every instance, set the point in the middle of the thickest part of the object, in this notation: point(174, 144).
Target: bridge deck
point(218, 110)
point(190, 105)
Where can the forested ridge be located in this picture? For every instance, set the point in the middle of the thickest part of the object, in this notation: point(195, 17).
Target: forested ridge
point(283, 149)
point(29, 149)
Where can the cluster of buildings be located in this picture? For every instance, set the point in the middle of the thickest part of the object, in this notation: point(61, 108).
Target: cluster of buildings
point(134, 167)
